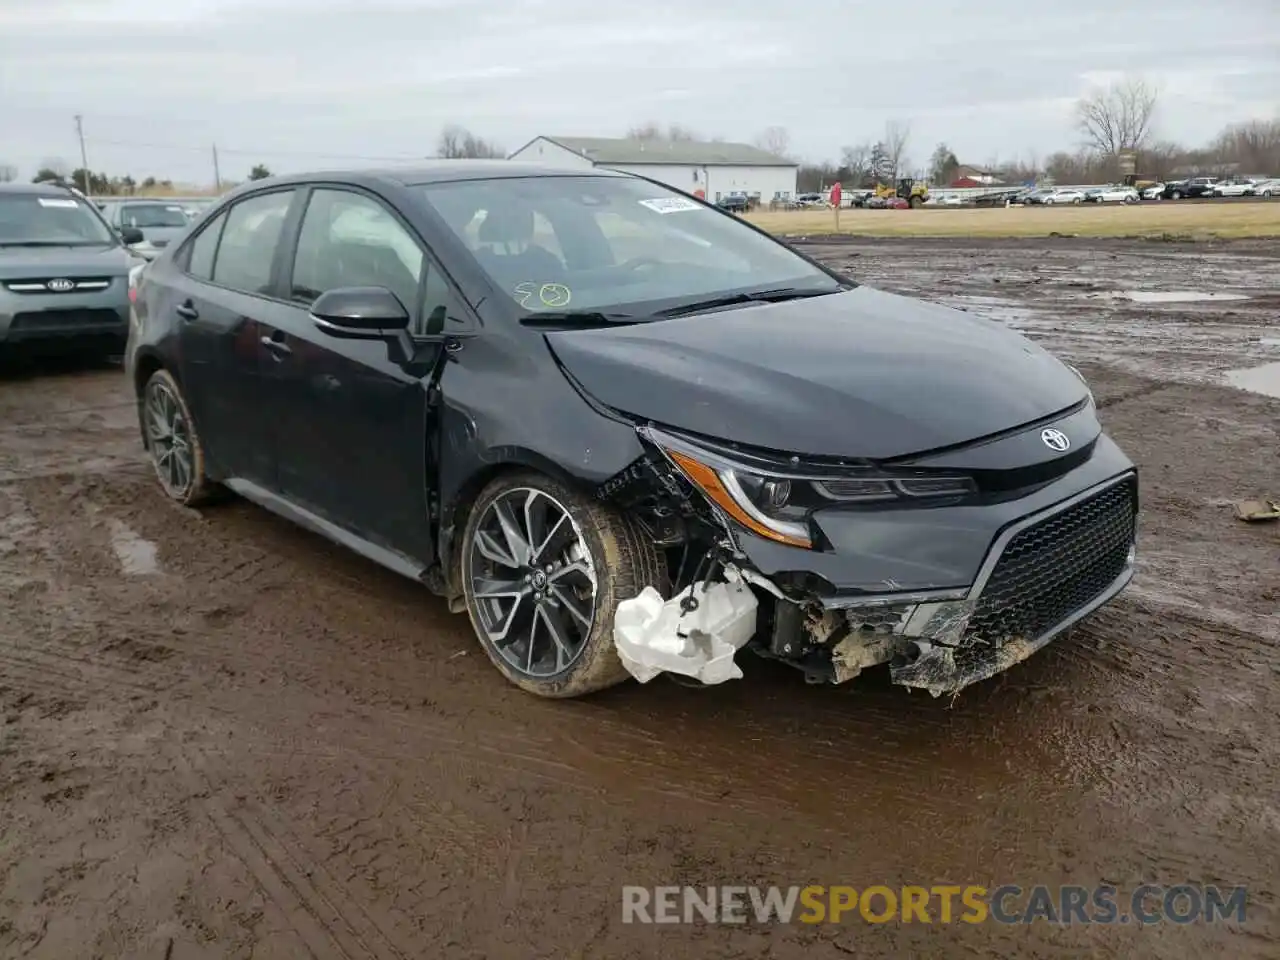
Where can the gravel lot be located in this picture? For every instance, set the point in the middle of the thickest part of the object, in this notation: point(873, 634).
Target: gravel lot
point(222, 737)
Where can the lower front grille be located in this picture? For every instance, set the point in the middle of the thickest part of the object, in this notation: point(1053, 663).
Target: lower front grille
point(1056, 567)
point(68, 320)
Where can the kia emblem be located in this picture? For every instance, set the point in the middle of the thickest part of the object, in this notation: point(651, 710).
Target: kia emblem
point(61, 285)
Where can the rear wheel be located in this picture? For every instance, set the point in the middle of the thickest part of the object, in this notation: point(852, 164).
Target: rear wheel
point(543, 569)
point(173, 442)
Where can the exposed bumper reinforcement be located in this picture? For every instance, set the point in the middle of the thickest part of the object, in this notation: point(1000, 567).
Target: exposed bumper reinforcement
point(949, 669)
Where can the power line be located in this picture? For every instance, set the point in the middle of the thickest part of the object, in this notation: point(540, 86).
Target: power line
point(266, 151)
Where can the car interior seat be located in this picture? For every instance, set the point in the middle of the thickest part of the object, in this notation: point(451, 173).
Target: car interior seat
point(508, 248)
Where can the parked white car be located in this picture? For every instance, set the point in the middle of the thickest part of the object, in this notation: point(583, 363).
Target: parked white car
point(1065, 196)
point(1266, 188)
point(1232, 188)
point(1153, 192)
point(1113, 194)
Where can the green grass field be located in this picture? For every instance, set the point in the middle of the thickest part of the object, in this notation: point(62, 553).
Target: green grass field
point(1169, 218)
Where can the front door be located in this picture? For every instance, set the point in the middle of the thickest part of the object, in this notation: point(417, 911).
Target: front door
point(352, 422)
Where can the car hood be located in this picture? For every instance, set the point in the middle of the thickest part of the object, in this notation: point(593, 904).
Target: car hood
point(18, 263)
point(862, 373)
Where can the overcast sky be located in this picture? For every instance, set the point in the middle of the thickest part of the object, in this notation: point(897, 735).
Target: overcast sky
point(313, 83)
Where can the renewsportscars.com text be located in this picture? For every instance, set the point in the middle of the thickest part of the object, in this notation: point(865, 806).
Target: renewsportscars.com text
point(972, 904)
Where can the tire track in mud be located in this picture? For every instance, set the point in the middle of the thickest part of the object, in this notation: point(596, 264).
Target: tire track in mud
point(561, 755)
point(330, 923)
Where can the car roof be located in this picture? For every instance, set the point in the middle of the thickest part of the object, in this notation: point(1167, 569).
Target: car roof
point(443, 171)
point(38, 189)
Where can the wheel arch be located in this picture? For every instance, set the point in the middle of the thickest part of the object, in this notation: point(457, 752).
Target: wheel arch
point(456, 511)
point(145, 364)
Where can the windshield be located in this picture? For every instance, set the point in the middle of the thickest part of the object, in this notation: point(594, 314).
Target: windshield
point(53, 220)
point(144, 215)
point(599, 243)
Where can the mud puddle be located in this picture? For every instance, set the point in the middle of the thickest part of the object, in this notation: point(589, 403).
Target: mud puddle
point(1264, 379)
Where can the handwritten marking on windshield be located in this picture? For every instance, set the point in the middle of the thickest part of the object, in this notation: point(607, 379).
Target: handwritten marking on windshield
point(551, 295)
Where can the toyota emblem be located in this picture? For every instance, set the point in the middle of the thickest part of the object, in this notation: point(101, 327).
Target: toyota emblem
point(60, 285)
point(1055, 439)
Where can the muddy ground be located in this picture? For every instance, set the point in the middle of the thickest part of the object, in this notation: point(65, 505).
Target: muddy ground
point(222, 737)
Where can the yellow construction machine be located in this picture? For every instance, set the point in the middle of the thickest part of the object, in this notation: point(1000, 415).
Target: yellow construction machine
point(912, 191)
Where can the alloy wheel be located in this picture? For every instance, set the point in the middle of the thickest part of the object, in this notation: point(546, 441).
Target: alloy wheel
point(533, 583)
point(169, 440)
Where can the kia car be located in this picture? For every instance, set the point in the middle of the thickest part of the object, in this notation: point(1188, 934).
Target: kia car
point(64, 273)
point(541, 392)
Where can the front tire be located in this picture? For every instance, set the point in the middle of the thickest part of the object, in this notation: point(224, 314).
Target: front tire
point(543, 569)
point(173, 443)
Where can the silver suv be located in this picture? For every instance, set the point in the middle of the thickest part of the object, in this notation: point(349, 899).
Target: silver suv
point(64, 273)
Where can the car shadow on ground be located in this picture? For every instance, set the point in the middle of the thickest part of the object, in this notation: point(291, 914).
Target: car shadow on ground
point(24, 364)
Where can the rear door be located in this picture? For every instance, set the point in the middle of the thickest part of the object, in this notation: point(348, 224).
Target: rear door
point(229, 275)
point(351, 422)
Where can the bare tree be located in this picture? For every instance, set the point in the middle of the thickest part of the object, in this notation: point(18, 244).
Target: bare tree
point(774, 140)
point(896, 136)
point(458, 143)
point(1253, 146)
point(8, 173)
point(1117, 117)
point(855, 162)
point(655, 131)
point(943, 165)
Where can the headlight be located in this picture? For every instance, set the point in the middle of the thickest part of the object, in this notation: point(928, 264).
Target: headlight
point(777, 502)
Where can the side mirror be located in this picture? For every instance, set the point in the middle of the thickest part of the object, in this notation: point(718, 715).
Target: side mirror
point(131, 235)
point(360, 313)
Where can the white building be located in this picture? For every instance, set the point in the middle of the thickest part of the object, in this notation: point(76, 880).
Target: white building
point(710, 170)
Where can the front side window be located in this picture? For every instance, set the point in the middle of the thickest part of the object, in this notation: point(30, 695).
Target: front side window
point(350, 240)
point(249, 239)
point(58, 220)
point(595, 243)
point(146, 215)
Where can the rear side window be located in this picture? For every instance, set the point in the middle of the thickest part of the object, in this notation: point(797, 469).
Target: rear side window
point(249, 238)
point(203, 249)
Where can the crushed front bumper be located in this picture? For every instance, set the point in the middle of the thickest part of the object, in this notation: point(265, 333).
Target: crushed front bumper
point(1039, 574)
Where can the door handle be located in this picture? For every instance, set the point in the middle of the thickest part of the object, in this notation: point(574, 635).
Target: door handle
point(187, 311)
point(278, 347)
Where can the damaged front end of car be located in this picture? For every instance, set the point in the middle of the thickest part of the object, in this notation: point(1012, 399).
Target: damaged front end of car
point(946, 575)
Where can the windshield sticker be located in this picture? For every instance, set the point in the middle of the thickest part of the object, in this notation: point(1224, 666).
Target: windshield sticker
point(57, 202)
point(550, 295)
point(670, 205)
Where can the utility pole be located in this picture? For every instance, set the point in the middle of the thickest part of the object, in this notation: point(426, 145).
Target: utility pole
point(84, 159)
point(217, 178)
